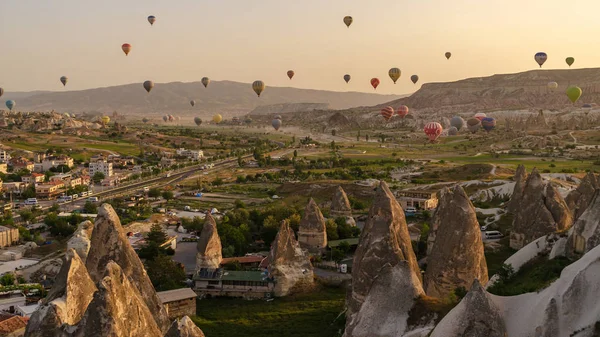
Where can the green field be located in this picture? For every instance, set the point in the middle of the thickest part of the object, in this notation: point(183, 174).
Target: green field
point(309, 315)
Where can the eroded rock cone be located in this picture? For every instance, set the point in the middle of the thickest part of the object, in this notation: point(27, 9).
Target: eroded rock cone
point(289, 265)
point(312, 233)
point(184, 328)
point(457, 257)
point(542, 211)
point(117, 309)
point(66, 302)
point(515, 200)
point(476, 315)
point(109, 243)
point(209, 246)
point(385, 276)
point(579, 199)
point(340, 205)
point(81, 239)
point(585, 235)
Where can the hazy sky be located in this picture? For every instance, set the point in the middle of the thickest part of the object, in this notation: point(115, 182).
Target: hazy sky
point(245, 40)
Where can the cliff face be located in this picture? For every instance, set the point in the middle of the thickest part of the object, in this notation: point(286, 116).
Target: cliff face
point(579, 199)
point(585, 234)
point(209, 246)
point(81, 239)
point(312, 234)
point(515, 200)
point(340, 205)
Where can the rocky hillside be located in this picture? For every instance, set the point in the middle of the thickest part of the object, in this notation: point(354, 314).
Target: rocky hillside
point(229, 98)
point(285, 108)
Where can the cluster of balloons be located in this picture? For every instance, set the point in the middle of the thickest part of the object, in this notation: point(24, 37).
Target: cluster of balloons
point(388, 112)
point(433, 129)
point(168, 118)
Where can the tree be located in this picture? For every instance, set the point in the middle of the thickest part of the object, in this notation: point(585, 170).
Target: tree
point(90, 208)
point(7, 279)
point(29, 192)
point(295, 153)
point(98, 177)
point(331, 227)
point(157, 235)
point(167, 195)
point(165, 274)
point(154, 192)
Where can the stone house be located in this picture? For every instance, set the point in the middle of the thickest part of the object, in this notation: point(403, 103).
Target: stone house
point(179, 302)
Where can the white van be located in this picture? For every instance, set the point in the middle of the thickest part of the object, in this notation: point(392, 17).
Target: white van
point(92, 199)
point(31, 202)
point(492, 235)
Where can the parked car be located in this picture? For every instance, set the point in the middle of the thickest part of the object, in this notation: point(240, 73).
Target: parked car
point(92, 199)
point(31, 202)
point(492, 235)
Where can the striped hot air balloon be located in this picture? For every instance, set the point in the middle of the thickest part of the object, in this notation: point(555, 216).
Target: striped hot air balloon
point(541, 58)
point(205, 81)
point(387, 113)
point(394, 74)
point(433, 130)
point(375, 82)
point(126, 47)
point(402, 111)
point(258, 87)
point(488, 124)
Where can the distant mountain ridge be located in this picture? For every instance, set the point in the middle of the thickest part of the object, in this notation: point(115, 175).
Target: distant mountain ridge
point(226, 97)
point(285, 108)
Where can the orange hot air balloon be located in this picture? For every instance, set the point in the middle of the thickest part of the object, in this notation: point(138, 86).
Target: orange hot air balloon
point(290, 74)
point(375, 82)
point(387, 113)
point(126, 48)
point(402, 111)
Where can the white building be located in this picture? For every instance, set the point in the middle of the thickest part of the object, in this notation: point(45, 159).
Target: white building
point(101, 166)
point(191, 154)
point(50, 162)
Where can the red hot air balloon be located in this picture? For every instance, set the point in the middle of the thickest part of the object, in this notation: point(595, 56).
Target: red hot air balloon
point(375, 82)
point(387, 113)
point(126, 48)
point(433, 130)
point(402, 111)
point(290, 74)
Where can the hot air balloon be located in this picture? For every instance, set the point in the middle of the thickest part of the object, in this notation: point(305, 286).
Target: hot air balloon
point(165, 118)
point(198, 121)
point(433, 130)
point(126, 48)
point(552, 85)
point(148, 85)
point(348, 21)
point(570, 61)
point(402, 111)
point(448, 55)
point(480, 116)
point(1, 92)
point(394, 74)
point(488, 123)
point(452, 131)
point(192, 103)
point(457, 122)
point(171, 118)
point(587, 106)
point(375, 82)
point(414, 79)
point(258, 87)
point(64, 80)
point(105, 120)
point(277, 117)
point(473, 124)
point(205, 81)
point(276, 123)
point(574, 93)
point(347, 78)
point(248, 120)
point(151, 19)
point(540, 58)
point(290, 74)
point(387, 113)
point(145, 120)
point(217, 118)
point(10, 104)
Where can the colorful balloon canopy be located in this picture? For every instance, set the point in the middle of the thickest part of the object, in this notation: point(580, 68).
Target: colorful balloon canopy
point(402, 111)
point(488, 123)
point(171, 118)
point(448, 55)
point(64, 80)
point(105, 120)
point(10, 104)
point(473, 124)
point(198, 121)
point(480, 116)
point(126, 47)
point(457, 122)
point(574, 93)
point(277, 117)
point(1, 92)
point(258, 87)
point(394, 74)
point(552, 85)
point(433, 130)
point(348, 21)
point(145, 120)
point(192, 103)
point(217, 118)
point(276, 123)
point(148, 85)
point(414, 79)
point(165, 118)
point(570, 61)
point(375, 82)
point(205, 81)
point(540, 58)
point(290, 74)
point(387, 113)
point(152, 20)
point(452, 131)
point(347, 78)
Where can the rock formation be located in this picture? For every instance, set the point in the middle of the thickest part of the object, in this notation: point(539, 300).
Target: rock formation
point(340, 205)
point(385, 274)
point(184, 328)
point(515, 200)
point(66, 302)
point(585, 234)
point(457, 258)
point(579, 199)
point(312, 234)
point(542, 211)
point(208, 253)
point(289, 265)
point(476, 315)
point(80, 241)
point(109, 243)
